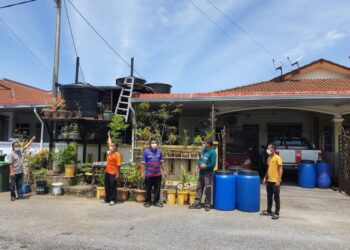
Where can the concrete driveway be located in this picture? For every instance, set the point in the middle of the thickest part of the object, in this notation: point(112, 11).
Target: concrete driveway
point(310, 219)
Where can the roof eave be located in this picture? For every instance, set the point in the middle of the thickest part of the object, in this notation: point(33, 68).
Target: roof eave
point(242, 98)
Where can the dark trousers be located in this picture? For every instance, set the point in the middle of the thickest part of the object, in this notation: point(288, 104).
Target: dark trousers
point(204, 182)
point(273, 192)
point(16, 184)
point(110, 187)
point(153, 182)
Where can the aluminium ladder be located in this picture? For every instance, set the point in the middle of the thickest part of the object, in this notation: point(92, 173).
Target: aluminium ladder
point(124, 100)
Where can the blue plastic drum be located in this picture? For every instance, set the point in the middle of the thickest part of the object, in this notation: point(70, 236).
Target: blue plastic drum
point(224, 190)
point(323, 174)
point(248, 191)
point(307, 174)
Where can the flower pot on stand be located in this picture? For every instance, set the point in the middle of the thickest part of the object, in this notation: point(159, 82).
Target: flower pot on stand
point(107, 115)
point(47, 113)
point(100, 117)
point(100, 192)
point(177, 153)
point(140, 195)
point(78, 114)
point(70, 114)
point(186, 154)
point(54, 114)
point(62, 114)
point(170, 153)
point(122, 194)
point(182, 197)
point(171, 196)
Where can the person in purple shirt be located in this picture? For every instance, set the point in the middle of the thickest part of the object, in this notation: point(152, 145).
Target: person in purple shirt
point(152, 163)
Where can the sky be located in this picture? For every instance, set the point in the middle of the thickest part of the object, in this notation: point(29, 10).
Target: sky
point(172, 41)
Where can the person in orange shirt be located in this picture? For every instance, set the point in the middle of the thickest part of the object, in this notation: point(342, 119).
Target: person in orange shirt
point(112, 172)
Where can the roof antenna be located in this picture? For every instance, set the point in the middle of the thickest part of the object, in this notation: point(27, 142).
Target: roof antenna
point(296, 62)
point(278, 67)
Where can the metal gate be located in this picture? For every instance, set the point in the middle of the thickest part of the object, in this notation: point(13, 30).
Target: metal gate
point(344, 166)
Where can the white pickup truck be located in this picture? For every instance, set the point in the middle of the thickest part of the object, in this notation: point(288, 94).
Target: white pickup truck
point(293, 150)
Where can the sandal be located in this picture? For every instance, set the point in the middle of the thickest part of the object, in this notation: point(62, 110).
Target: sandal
point(265, 213)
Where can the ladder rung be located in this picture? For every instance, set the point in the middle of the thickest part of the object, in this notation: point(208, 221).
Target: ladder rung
point(123, 102)
point(122, 109)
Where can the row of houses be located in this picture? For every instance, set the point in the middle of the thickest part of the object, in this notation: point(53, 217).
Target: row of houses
point(312, 101)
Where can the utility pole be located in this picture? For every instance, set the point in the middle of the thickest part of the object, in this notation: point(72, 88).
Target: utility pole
point(57, 50)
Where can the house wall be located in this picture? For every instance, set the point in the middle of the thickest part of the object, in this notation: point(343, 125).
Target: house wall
point(320, 74)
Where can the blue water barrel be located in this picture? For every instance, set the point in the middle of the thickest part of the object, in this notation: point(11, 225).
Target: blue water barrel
point(307, 174)
point(248, 191)
point(235, 169)
point(224, 190)
point(323, 174)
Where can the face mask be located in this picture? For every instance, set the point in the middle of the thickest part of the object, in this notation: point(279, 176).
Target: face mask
point(18, 149)
point(154, 145)
point(112, 149)
point(268, 151)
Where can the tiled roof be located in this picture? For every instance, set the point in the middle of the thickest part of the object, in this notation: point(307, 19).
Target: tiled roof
point(273, 87)
point(12, 92)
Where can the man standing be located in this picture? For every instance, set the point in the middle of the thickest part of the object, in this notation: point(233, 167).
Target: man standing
point(112, 172)
point(272, 179)
point(152, 163)
point(205, 166)
point(15, 159)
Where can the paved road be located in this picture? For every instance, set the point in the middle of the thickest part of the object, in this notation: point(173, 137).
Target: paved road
point(310, 219)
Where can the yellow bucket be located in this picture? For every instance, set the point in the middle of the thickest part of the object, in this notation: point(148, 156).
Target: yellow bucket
point(100, 192)
point(182, 196)
point(69, 170)
point(192, 197)
point(171, 196)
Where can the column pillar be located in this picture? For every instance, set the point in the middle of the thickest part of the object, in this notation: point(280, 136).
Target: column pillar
point(337, 130)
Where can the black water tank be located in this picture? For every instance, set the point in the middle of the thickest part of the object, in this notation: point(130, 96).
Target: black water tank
point(139, 84)
point(159, 87)
point(83, 94)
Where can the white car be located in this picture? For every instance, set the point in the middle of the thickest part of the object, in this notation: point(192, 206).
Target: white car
point(293, 150)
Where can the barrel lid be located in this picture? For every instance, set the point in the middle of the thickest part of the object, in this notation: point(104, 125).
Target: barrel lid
point(322, 161)
point(223, 172)
point(235, 168)
point(158, 84)
point(57, 184)
point(247, 172)
point(307, 161)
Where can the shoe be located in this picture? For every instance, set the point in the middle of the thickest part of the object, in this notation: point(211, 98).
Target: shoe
point(275, 217)
point(112, 203)
point(105, 201)
point(21, 198)
point(13, 198)
point(158, 205)
point(207, 208)
point(265, 213)
point(146, 204)
point(195, 206)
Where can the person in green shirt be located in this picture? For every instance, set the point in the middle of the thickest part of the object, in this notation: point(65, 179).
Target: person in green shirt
point(205, 166)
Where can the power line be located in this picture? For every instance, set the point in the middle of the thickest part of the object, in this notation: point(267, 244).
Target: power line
point(11, 5)
point(241, 29)
point(23, 44)
point(104, 40)
point(225, 32)
point(71, 33)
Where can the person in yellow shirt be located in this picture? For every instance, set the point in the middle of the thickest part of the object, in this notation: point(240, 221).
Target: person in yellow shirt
point(273, 179)
point(112, 172)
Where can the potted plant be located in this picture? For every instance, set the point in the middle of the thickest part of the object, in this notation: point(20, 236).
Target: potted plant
point(52, 107)
point(182, 193)
point(78, 114)
point(87, 171)
point(67, 158)
point(100, 107)
point(107, 112)
point(192, 189)
point(62, 112)
point(134, 180)
point(73, 132)
point(100, 179)
point(117, 126)
point(197, 141)
point(64, 132)
point(171, 140)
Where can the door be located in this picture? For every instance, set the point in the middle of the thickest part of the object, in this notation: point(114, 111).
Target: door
point(251, 141)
